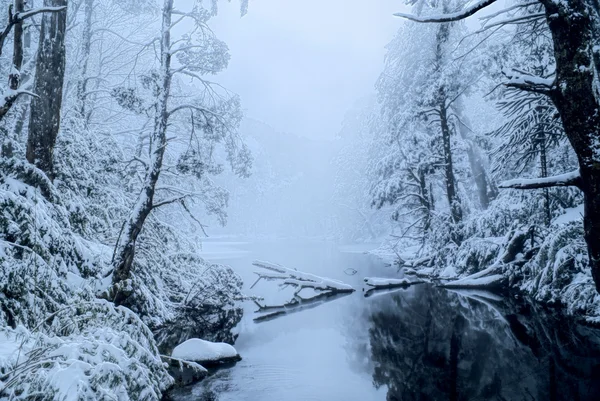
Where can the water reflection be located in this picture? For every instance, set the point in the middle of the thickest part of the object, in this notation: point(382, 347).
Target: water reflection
point(432, 344)
point(419, 343)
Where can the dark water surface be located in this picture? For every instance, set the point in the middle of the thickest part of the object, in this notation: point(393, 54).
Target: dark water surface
point(421, 343)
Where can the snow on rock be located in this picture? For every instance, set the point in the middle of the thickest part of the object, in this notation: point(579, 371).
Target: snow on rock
point(202, 351)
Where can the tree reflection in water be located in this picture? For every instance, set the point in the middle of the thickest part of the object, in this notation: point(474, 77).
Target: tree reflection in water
point(432, 344)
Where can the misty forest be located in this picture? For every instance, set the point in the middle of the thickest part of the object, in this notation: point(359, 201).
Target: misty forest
point(299, 200)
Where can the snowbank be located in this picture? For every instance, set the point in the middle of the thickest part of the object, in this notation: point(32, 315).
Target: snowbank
point(202, 351)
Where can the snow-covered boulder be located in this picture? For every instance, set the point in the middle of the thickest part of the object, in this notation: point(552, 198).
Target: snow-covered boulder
point(205, 353)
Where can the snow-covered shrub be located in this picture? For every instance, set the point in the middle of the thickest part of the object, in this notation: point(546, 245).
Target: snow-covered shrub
point(178, 294)
point(72, 346)
point(559, 273)
point(91, 350)
point(38, 248)
point(476, 254)
point(174, 290)
point(92, 178)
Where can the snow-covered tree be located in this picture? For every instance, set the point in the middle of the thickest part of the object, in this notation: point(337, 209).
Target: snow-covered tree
point(432, 150)
point(211, 118)
point(574, 27)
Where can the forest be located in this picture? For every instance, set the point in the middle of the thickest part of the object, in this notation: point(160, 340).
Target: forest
point(471, 164)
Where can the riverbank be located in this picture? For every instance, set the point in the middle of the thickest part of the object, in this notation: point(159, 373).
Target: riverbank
point(357, 348)
point(549, 267)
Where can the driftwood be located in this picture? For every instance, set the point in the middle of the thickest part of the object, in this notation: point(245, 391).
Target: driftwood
point(380, 285)
point(325, 289)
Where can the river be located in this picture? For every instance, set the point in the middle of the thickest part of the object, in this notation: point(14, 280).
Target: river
point(420, 343)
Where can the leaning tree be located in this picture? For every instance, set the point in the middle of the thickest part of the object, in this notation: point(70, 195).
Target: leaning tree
point(204, 120)
point(574, 88)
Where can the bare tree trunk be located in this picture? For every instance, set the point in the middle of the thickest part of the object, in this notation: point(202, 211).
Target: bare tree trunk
point(573, 25)
point(125, 247)
point(85, 51)
point(44, 120)
point(442, 109)
point(453, 199)
point(14, 77)
point(426, 199)
point(575, 29)
point(24, 78)
point(544, 168)
point(485, 191)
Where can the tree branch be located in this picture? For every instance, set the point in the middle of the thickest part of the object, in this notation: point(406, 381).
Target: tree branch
point(450, 17)
point(168, 201)
point(16, 18)
point(571, 179)
point(529, 83)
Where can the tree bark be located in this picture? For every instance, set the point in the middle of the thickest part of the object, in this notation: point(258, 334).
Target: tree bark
point(426, 199)
point(453, 200)
point(125, 247)
point(573, 25)
point(85, 51)
point(544, 173)
point(14, 78)
point(485, 191)
point(442, 109)
point(44, 119)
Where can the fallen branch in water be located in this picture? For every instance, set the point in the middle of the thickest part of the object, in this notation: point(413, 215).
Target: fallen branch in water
point(325, 289)
point(374, 284)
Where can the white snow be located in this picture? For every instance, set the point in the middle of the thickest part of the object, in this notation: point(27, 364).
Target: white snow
point(476, 282)
point(472, 9)
point(198, 350)
point(449, 272)
point(571, 214)
point(386, 282)
point(557, 180)
point(301, 279)
point(10, 348)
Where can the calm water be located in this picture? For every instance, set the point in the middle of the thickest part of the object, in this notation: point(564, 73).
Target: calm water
point(421, 343)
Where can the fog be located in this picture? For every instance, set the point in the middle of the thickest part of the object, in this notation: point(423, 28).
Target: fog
point(299, 68)
point(300, 65)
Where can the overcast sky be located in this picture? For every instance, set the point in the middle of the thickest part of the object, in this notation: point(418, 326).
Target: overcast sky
point(299, 65)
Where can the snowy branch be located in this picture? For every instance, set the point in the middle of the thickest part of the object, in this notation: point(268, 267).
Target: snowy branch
point(168, 201)
point(9, 97)
point(191, 107)
point(507, 9)
point(450, 17)
point(17, 18)
point(299, 279)
point(571, 179)
point(324, 288)
point(530, 83)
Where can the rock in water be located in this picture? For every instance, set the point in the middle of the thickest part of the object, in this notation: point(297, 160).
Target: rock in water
point(205, 353)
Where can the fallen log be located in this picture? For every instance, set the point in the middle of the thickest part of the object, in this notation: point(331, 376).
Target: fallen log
point(325, 289)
